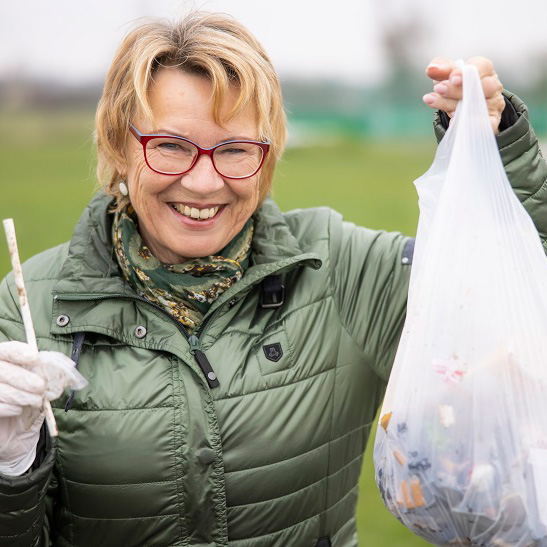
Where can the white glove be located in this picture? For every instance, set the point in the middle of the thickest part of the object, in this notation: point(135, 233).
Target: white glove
point(25, 379)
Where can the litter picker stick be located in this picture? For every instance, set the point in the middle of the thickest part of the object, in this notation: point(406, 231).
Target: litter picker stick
point(25, 312)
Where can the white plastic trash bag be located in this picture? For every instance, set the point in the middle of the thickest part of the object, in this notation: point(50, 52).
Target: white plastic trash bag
point(461, 448)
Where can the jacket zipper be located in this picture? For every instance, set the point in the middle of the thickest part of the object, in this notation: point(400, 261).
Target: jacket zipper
point(202, 361)
point(195, 347)
point(193, 339)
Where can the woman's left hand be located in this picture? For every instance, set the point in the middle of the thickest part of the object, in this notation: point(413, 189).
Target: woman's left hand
point(447, 90)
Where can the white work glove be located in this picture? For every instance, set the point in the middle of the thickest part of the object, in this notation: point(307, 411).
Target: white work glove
point(25, 379)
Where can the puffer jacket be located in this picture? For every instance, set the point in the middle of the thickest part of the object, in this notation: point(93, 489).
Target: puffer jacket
point(252, 432)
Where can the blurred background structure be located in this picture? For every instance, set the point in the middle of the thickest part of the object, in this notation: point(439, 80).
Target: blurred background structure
point(353, 77)
point(354, 66)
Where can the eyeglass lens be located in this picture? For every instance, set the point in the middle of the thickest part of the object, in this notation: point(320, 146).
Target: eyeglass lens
point(170, 155)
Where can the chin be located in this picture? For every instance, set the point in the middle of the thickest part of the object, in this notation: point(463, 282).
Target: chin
point(191, 252)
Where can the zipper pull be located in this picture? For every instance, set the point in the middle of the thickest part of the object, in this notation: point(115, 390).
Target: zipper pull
point(194, 343)
point(202, 361)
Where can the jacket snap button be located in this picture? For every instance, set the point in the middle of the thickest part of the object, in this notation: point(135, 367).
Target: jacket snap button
point(63, 320)
point(232, 303)
point(140, 332)
point(206, 456)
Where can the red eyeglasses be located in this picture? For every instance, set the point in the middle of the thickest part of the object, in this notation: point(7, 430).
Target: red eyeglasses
point(172, 155)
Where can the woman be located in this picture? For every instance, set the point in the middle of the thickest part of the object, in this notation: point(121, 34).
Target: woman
point(235, 355)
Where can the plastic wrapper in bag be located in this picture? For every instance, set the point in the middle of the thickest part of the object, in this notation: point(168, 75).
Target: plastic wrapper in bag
point(461, 448)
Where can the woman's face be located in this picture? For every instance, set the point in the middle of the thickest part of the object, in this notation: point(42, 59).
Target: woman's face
point(181, 104)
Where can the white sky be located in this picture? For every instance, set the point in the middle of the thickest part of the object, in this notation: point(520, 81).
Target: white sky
point(74, 40)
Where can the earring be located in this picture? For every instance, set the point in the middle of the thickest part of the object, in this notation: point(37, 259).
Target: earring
point(123, 188)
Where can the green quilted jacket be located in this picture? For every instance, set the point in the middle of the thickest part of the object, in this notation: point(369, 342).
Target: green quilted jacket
point(250, 434)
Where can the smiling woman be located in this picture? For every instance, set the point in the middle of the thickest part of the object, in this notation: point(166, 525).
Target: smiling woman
point(238, 84)
point(181, 101)
point(212, 89)
point(235, 355)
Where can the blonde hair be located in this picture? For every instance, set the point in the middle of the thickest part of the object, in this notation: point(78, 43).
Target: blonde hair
point(211, 44)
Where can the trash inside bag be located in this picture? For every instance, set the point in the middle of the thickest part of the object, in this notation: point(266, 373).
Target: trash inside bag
point(461, 448)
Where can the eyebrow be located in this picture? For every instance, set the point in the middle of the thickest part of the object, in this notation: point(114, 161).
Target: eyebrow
point(163, 131)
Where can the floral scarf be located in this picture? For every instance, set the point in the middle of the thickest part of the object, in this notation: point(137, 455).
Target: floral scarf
point(187, 290)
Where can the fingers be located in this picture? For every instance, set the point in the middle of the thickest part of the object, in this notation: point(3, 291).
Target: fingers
point(437, 101)
point(447, 90)
point(20, 378)
point(13, 396)
point(484, 66)
point(448, 85)
point(491, 86)
point(26, 377)
point(18, 386)
point(7, 411)
point(60, 374)
point(439, 68)
point(18, 353)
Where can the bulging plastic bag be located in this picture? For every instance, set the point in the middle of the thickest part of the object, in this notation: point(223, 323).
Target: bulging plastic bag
point(461, 448)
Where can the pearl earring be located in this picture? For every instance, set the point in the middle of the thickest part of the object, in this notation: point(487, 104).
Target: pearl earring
point(123, 188)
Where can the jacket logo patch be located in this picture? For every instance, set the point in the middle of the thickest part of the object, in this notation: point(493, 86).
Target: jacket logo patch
point(273, 352)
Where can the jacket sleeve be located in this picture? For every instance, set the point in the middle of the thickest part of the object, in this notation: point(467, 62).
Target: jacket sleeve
point(25, 501)
point(523, 162)
point(370, 271)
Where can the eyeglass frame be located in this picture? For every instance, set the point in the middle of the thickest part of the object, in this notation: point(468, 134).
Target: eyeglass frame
point(145, 138)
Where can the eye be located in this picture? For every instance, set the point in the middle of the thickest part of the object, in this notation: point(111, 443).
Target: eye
point(171, 146)
point(178, 147)
point(232, 151)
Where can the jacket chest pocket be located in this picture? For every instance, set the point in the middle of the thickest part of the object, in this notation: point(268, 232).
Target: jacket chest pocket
point(273, 353)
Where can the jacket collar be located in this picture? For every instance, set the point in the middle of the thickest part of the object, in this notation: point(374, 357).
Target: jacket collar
point(91, 268)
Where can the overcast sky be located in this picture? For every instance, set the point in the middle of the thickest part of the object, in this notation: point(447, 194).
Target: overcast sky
point(74, 40)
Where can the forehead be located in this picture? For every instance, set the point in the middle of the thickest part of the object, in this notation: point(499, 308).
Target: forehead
point(183, 102)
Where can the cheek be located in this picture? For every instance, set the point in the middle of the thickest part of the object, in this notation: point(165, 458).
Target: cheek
point(136, 169)
point(247, 199)
point(137, 186)
point(143, 184)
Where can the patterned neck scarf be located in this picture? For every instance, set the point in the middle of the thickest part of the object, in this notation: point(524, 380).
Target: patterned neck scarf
point(186, 291)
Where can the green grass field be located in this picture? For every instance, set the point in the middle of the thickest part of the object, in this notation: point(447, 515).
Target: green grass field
point(47, 178)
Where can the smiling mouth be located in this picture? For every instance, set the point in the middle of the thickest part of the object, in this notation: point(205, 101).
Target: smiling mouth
point(195, 213)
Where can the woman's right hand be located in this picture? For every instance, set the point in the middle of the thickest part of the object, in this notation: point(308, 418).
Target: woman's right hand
point(26, 378)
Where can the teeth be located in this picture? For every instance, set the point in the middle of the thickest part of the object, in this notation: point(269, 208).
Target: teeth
point(193, 212)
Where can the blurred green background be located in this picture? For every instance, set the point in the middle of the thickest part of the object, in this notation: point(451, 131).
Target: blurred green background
point(47, 178)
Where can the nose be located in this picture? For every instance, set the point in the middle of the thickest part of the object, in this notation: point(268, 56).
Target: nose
point(202, 179)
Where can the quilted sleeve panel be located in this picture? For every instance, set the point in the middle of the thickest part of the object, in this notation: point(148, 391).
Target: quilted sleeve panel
point(370, 276)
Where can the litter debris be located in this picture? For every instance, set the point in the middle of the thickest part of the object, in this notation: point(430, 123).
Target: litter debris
point(384, 422)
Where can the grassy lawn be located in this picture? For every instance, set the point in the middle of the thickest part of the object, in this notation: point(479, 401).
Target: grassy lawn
point(47, 178)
